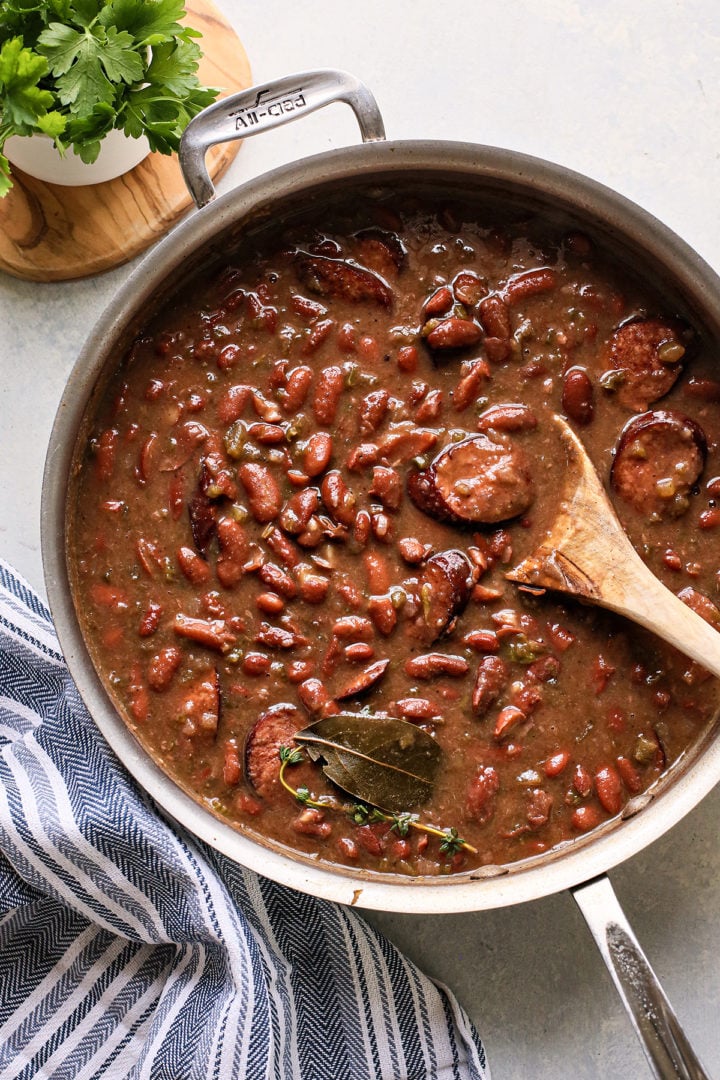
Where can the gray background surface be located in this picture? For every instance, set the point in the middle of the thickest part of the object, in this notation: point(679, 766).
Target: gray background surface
point(628, 93)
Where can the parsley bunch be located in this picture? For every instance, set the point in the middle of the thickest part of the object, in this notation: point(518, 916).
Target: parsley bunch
point(76, 69)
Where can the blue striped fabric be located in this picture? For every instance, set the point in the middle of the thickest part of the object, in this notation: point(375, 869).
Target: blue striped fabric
point(129, 949)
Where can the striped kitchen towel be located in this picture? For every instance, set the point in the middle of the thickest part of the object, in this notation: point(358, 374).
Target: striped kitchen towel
point(129, 949)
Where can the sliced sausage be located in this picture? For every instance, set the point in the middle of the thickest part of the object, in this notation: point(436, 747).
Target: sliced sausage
point(479, 479)
point(381, 250)
point(649, 354)
point(658, 458)
point(337, 277)
point(272, 729)
point(444, 585)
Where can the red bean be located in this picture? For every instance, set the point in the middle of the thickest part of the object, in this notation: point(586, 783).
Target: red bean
point(355, 627)
point(232, 769)
point(228, 357)
point(383, 614)
point(320, 331)
point(262, 491)
point(407, 358)
point(609, 788)
point(490, 680)
point(277, 579)
point(582, 781)
point(233, 552)
point(577, 395)
point(557, 763)
point(299, 670)
point(363, 681)
point(483, 641)
point(373, 409)
point(585, 817)
point(417, 709)
point(709, 519)
point(193, 566)
point(212, 633)
point(454, 333)
point(138, 694)
point(314, 695)
point(105, 454)
point(429, 410)
point(413, 551)
point(531, 283)
point(162, 668)
point(468, 288)
point(429, 665)
point(150, 620)
point(326, 398)
point(270, 603)
point(338, 498)
point(317, 453)
point(277, 637)
point(510, 417)
point(256, 663)
point(296, 389)
point(507, 719)
point(439, 302)
point(495, 317)
point(267, 434)
point(298, 510)
point(362, 528)
point(630, 776)
point(378, 572)
point(359, 652)
point(466, 391)
point(284, 549)
point(312, 588)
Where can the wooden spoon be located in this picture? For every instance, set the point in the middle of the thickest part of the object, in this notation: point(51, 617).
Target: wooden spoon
point(586, 553)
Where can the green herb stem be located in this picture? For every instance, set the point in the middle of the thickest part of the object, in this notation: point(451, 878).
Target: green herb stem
point(450, 841)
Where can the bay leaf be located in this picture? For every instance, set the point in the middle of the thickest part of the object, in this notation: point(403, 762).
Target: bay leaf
point(380, 760)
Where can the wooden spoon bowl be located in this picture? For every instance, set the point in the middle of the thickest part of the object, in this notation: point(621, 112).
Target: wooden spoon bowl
point(586, 553)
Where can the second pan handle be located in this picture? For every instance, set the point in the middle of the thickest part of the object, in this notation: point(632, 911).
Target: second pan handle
point(666, 1046)
point(263, 107)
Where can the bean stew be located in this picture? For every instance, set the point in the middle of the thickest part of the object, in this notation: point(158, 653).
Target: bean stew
point(301, 492)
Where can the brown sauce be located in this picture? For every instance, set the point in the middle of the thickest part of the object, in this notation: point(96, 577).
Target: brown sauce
point(303, 489)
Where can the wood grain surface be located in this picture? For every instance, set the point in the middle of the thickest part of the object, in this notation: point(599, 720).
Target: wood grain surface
point(54, 233)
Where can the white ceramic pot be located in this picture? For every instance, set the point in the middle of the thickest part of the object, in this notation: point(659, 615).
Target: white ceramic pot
point(36, 155)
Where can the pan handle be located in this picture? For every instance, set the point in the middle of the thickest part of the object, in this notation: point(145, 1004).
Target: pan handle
point(665, 1044)
point(260, 108)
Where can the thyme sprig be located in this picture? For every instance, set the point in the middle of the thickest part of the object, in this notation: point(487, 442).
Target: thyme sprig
point(361, 814)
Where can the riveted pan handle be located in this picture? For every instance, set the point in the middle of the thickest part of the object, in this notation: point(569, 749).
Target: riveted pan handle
point(263, 107)
point(666, 1046)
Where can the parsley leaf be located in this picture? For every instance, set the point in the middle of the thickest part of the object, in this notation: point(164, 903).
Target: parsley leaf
point(76, 69)
point(149, 23)
point(23, 100)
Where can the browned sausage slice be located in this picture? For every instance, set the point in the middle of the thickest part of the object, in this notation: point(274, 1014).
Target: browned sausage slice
point(381, 250)
point(272, 729)
point(444, 586)
point(337, 277)
point(658, 458)
point(648, 352)
point(479, 479)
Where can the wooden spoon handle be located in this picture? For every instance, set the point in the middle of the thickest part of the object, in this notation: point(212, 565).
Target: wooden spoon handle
point(640, 596)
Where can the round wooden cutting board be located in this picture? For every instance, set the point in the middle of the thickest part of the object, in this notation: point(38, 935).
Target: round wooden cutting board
point(53, 233)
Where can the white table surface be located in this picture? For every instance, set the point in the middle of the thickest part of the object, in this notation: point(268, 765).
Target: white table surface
point(629, 93)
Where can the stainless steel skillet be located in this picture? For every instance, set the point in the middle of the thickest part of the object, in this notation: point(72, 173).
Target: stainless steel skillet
point(498, 174)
